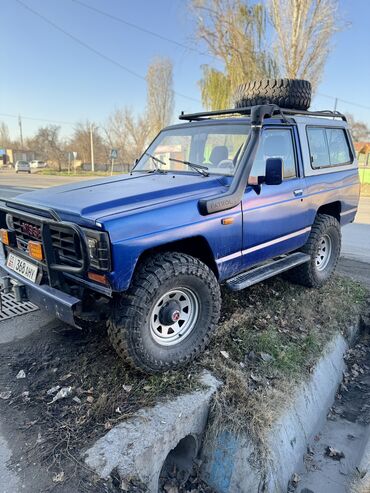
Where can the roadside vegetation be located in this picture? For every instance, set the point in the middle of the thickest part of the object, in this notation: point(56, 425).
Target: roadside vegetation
point(268, 341)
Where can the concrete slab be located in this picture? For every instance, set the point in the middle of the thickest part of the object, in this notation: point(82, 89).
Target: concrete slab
point(229, 461)
point(138, 448)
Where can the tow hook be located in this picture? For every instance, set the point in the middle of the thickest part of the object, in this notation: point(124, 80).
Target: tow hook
point(19, 290)
point(20, 293)
point(6, 285)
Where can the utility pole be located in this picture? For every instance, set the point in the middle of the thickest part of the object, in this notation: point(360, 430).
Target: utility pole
point(335, 104)
point(20, 129)
point(92, 148)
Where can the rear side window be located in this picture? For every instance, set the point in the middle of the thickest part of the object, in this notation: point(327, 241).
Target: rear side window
point(328, 147)
point(338, 146)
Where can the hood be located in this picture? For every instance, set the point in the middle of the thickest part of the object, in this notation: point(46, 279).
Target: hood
point(95, 199)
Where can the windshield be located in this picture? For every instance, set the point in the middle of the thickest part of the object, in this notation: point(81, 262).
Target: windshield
point(217, 148)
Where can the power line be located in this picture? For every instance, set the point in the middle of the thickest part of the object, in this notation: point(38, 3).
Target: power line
point(344, 101)
point(142, 29)
point(36, 119)
point(94, 50)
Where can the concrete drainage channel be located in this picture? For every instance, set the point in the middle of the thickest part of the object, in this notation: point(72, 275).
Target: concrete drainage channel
point(171, 434)
point(157, 438)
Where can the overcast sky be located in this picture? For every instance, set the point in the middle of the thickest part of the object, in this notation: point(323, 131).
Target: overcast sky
point(47, 75)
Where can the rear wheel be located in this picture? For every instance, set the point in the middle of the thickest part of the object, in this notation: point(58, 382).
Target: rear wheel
point(169, 314)
point(323, 247)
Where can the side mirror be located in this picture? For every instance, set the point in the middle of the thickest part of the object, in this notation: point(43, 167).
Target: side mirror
point(274, 171)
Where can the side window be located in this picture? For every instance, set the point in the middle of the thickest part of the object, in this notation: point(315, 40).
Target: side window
point(318, 147)
point(338, 146)
point(275, 143)
point(328, 147)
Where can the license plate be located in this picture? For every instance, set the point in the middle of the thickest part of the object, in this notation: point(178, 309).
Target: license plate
point(22, 267)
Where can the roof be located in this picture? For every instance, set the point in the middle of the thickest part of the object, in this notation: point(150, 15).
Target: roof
point(276, 120)
point(362, 147)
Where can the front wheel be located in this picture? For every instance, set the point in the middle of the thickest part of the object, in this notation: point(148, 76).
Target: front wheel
point(168, 315)
point(323, 247)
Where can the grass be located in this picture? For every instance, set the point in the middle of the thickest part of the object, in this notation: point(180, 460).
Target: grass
point(274, 333)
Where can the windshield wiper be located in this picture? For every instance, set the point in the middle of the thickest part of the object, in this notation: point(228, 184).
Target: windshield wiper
point(156, 161)
point(199, 168)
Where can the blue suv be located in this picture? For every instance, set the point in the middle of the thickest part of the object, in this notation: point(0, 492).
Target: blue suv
point(232, 196)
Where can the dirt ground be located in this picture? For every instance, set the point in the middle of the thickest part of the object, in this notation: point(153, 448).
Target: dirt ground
point(102, 392)
point(269, 334)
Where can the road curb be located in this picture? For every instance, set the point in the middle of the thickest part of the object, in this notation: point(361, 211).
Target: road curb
point(230, 463)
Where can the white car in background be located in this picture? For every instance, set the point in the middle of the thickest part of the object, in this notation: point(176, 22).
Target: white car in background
point(22, 166)
point(38, 164)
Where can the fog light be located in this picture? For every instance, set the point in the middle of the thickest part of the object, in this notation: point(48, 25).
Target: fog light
point(101, 278)
point(5, 236)
point(35, 250)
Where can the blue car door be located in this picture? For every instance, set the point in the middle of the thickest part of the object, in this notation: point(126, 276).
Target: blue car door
point(275, 221)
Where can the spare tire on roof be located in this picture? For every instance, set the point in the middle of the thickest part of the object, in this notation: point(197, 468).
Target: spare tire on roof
point(286, 93)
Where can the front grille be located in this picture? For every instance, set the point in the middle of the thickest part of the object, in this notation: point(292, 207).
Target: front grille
point(63, 240)
point(66, 245)
point(25, 231)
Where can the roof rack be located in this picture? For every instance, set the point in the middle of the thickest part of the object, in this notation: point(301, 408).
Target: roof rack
point(248, 109)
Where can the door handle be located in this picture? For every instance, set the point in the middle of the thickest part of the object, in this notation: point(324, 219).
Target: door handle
point(298, 192)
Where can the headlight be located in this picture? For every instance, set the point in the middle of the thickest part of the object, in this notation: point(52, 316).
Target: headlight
point(9, 221)
point(98, 247)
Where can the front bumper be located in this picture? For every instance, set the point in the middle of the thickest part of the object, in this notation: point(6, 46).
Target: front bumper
point(58, 304)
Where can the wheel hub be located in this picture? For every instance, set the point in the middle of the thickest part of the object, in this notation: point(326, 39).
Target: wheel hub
point(174, 316)
point(170, 312)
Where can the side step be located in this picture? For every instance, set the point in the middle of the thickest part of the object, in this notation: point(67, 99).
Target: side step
point(258, 274)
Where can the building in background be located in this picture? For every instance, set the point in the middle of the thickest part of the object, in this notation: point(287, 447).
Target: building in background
point(8, 157)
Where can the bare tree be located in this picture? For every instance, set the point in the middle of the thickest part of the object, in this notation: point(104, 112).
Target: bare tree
point(80, 142)
point(128, 133)
point(360, 130)
point(160, 95)
point(234, 33)
point(304, 30)
point(48, 144)
point(115, 131)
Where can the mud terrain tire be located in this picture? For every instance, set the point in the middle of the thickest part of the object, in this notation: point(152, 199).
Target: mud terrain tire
point(165, 288)
point(325, 235)
point(286, 93)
